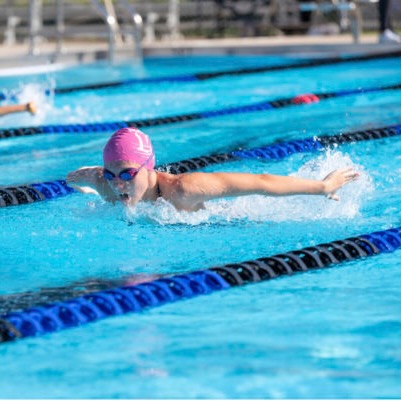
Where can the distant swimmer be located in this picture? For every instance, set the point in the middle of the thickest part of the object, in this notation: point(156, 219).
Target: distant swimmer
point(18, 108)
point(128, 176)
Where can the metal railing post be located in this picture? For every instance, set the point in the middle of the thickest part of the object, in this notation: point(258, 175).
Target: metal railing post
point(137, 27)
point(111, 22)
point(35, 25)
point(60, 25)
point(173, 20)
point(356, 23)
point(11, 24)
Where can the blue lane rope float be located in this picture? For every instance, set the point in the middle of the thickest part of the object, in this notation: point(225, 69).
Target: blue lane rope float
point(203, 76)
point(29, 193)
point(157, 121)
point(20, 195)
point(94, 306)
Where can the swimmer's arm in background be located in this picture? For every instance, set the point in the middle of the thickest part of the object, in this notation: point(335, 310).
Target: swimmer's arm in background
point(202, 186)
point(89, 180)
point(18, 108)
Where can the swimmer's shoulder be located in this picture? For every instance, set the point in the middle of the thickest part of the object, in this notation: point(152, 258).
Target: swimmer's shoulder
point(167, 182)
point(174, 183)
point(178, 189)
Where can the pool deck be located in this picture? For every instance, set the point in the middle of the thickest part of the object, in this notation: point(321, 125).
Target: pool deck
point(17, 57)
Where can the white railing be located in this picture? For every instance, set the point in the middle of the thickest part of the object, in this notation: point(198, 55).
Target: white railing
point(105, 10)
point(137, 28)
point(349, 12)
point(35, 25)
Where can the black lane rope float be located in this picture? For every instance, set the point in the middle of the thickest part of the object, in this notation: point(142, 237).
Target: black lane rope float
point(203, 76)
point(91, 307)
point(157, 121)
point(29, 193)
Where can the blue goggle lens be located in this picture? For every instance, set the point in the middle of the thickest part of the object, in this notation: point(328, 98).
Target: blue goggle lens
point(108, 175)
point(125, 175)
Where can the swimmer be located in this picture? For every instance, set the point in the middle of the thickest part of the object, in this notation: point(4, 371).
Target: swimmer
point(18, 108)
point(128, 176)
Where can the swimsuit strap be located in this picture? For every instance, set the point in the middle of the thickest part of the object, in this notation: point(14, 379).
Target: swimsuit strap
point(159, 192)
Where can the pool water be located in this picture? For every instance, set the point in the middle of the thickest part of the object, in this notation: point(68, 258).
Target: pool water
point(332, 333)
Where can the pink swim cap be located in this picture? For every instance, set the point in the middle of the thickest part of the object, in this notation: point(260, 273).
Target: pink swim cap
point(129, 145)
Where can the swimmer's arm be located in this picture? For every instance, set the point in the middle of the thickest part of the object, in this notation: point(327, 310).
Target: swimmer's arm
point(203, 186)
point(90, 180)
point(17, 108)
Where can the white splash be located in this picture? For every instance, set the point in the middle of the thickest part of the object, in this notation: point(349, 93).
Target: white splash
point(73, 115)
point(304, 207)
point(41, 94)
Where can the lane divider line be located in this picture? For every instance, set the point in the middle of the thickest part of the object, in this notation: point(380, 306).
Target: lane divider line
point(30, 193)
point(303, 99)
point(95, 306)
point(204, 76)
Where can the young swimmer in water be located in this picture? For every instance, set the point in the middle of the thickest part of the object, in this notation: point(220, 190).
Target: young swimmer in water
point(128, 176)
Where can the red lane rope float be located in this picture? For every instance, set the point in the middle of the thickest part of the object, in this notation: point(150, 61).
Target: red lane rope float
point(305, 99)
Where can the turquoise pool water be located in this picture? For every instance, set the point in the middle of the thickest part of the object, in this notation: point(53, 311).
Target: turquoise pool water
point(325, 334)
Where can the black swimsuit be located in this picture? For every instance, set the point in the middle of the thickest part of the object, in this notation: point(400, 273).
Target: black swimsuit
point(159, 192)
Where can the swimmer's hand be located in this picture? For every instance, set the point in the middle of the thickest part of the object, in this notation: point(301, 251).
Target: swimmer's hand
point(85, 175)
point(84, 178)
point(90, 180)
point(32, 108)
point(337, 179)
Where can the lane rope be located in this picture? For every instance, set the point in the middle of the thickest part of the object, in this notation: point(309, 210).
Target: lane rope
point(282, 150)
point(204, 76)
point(95, 306)
point(30, 193)
point(157, 121)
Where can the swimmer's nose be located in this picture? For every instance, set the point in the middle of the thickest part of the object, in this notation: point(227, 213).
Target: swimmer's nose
point(118, 183)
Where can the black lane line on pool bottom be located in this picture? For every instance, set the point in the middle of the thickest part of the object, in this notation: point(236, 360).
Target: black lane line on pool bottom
point(158, 121)
point(204, 76)
point(137, 298)
point(29, 193)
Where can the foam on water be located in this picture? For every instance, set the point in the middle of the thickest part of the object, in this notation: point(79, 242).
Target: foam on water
point(48, 111)
point(42, 94)
point(265, 208)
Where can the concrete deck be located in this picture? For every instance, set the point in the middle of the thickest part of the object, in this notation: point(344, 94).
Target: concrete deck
point(84, 52)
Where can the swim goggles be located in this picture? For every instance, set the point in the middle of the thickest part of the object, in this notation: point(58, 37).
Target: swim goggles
point(127, 174)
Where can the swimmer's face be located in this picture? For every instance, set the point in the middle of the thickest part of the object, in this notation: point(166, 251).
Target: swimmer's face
point(131, 191)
